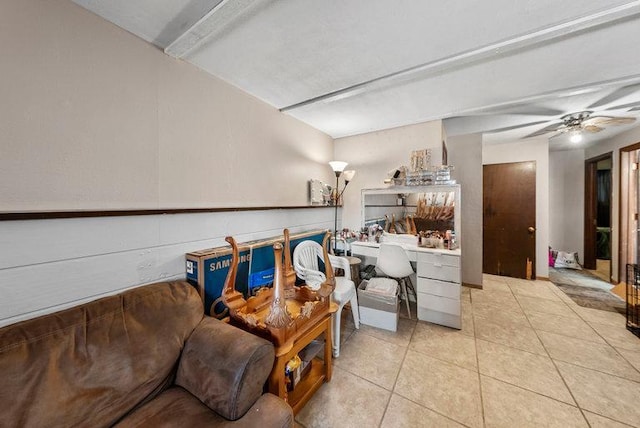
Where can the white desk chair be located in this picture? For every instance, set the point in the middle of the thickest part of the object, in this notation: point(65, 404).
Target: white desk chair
point(305, 263)
point(393, 262)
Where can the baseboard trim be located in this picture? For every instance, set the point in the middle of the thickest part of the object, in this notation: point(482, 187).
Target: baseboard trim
point(467, 284)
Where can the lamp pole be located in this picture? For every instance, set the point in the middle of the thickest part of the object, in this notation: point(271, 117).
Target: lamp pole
point(338, 168)
point(335, 216)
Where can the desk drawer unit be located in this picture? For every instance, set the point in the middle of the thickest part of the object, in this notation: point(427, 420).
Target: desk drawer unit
point(440, 304)
point(439, 282)
point(439, 259)
point(439, 288)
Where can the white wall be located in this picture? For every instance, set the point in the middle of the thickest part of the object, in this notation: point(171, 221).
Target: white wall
point(372, 155)
point(465, 154)
point(94, 118)
point(47, 265)
point(531, 150)
point(614, 145)
point(566, 201)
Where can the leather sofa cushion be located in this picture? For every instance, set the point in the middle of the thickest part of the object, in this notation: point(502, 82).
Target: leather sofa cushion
point(89, 365)
point(176, 407)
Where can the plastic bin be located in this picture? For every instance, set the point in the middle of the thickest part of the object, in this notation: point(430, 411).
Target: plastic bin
point(378, 310)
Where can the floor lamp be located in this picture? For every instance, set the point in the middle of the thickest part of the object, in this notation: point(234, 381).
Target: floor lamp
point(338, 168)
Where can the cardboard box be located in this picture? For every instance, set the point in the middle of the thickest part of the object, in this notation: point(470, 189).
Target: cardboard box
point(207, 269)
point(377, 310)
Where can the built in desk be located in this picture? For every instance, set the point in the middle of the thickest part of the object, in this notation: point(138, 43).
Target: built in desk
point(439, 279)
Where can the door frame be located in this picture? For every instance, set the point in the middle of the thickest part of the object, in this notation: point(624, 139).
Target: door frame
point(590, 209)
point(622, 264)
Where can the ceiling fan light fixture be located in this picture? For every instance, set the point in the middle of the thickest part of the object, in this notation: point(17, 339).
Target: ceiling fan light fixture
point(575, 136)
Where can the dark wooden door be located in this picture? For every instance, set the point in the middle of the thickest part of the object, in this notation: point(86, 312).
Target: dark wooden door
point(509, 218)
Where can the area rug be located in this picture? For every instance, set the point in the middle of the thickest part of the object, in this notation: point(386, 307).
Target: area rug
point(594, 298)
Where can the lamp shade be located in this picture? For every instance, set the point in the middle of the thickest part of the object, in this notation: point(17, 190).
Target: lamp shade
point(338, 166)
point(349, 174)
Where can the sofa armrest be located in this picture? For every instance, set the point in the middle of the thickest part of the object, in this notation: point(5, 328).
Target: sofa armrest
point(269, 411)
point(225, 367)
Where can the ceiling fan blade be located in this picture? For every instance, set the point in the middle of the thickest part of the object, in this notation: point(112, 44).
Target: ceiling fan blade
point(551, 128)
point(608, 120)
point(615, 95)
point(509, 128)
point(592, 128)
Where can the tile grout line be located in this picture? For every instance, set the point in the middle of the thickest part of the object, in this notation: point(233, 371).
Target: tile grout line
point(410, 400)
point(404, 357)
point(582, 318)
point(611, 419)
point(595, 370)
point(475, 343)
point(601, 336)
point(532, 353)
point(557, 369)
point(615, 349)
point(393, 391)
point(536, 330)
point(432, 410)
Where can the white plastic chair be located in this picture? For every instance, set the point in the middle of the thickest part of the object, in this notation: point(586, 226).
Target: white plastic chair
point(305, 263)
point(340, 244)
point(393, 262)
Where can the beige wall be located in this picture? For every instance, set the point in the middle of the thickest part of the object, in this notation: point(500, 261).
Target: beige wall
point(372, 155)
point(92, 117)
point(566, 201)
point(531, 150)
point(465, 154)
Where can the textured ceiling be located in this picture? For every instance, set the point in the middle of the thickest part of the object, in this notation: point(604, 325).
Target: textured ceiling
point(352, 67)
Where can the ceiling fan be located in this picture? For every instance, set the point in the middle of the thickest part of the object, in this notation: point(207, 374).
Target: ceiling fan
point(553, 112)
point(576, 123)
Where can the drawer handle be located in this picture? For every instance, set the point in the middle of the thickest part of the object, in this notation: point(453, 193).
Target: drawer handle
point(437, 264)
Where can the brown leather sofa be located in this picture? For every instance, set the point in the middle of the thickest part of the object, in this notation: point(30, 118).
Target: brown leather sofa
point(146, 357)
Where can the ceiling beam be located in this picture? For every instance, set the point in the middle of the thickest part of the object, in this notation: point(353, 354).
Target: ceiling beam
point(562, 93)
point(223, 14)
point(544, 35)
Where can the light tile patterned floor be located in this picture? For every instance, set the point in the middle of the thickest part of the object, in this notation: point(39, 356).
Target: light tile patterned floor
point(527, 356)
